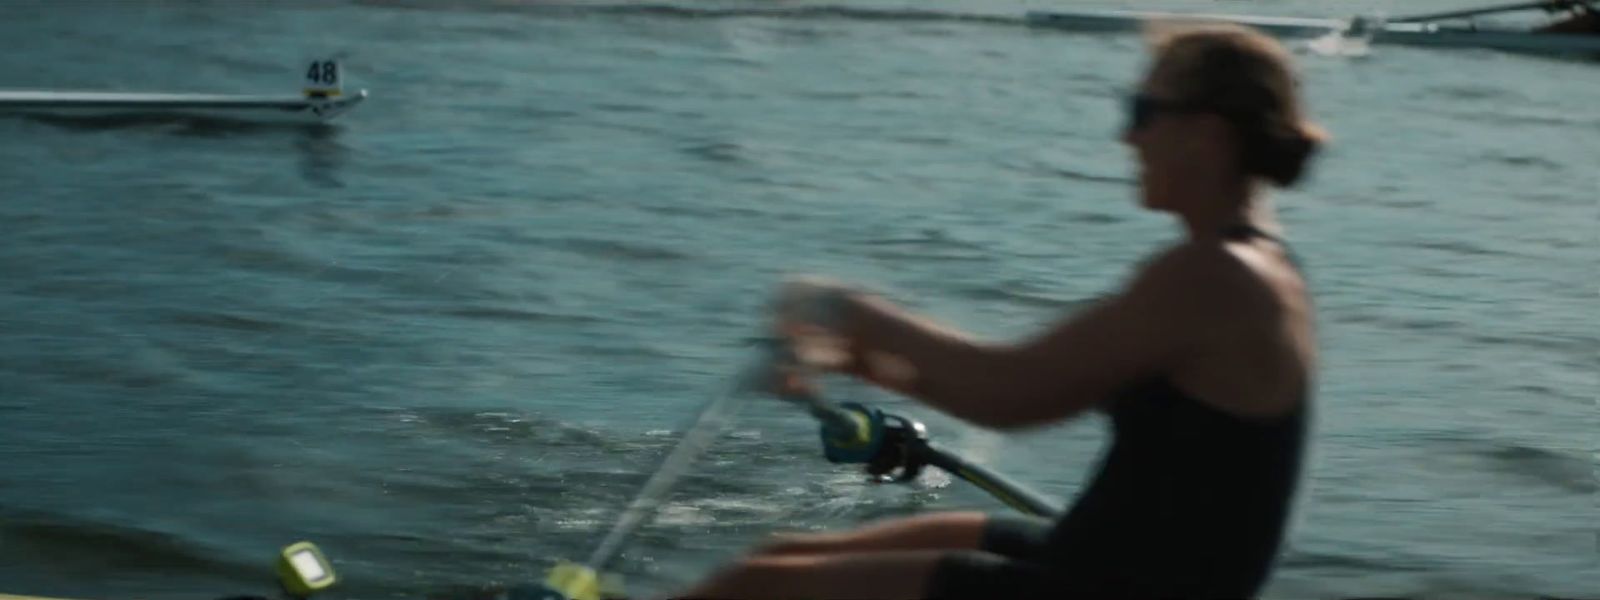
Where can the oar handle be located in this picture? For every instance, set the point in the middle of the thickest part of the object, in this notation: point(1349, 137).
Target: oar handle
point(836, 419)
point(778, 360)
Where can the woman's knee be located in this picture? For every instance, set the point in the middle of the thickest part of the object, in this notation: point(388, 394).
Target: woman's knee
point(862, 575)
point(936, 531)
point(755, 571)
point(800, 543)
point(932, 531)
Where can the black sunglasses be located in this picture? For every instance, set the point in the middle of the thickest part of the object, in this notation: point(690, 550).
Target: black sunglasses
point(1143, 109)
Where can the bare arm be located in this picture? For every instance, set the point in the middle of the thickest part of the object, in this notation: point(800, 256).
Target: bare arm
point(1147, 328)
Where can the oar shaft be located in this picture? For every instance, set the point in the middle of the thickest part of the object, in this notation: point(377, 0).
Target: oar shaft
point(1013, 494)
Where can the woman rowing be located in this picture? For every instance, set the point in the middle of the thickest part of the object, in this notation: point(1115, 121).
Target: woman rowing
point(1205, 363)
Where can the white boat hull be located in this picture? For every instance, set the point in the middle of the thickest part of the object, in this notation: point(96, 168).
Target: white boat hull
point(1406, 34)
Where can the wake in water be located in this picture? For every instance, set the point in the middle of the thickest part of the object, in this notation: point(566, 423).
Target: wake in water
point(1353, 41)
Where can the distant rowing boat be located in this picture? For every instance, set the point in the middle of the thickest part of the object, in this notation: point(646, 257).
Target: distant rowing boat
point(111, 103)
point(321, 99)
point(1415, 31)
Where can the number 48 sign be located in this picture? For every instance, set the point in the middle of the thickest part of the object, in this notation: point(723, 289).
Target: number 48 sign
point(322, 79)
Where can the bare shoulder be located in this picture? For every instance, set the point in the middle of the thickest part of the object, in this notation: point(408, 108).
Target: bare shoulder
point(1243, 309)
point(1201, 277)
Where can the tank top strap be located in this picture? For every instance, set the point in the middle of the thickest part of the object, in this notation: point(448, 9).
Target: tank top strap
point(1245, 231)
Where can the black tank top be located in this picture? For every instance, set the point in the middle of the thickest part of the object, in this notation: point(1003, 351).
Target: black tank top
point(1190, 501)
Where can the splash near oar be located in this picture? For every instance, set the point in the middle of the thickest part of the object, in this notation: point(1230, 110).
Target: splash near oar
point(711, 420)
point(573, 581)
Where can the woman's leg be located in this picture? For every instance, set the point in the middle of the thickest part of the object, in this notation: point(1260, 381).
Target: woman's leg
point(933, 531)
point(892, 575)
point(891, 559)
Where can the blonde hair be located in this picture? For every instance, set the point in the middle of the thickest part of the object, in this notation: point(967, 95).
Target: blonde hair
point(1249, 77)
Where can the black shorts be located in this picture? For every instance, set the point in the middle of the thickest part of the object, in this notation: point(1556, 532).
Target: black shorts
point(1018, 559)
point(1013, 562)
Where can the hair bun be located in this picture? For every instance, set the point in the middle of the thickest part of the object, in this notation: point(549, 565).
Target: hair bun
point(1281, 154)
